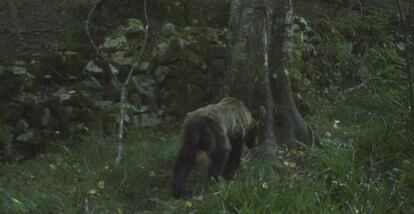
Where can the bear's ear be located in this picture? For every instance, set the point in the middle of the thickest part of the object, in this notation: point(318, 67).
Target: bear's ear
point(259, 114)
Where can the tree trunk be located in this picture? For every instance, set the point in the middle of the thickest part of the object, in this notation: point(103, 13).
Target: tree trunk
point(261, 30)
point(291, 127)
point(247, 76)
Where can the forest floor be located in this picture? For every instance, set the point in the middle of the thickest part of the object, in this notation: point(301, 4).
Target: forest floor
point(335, 180)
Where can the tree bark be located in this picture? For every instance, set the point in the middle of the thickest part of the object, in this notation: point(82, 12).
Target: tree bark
point(259, 61)
point(292, 129)
point(247, 76)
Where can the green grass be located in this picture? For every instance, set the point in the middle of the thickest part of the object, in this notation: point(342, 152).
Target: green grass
point(62, 183)
point(365, 165)
point(335, 180)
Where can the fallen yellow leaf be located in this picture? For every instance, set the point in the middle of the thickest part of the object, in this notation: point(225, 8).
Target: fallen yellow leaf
point(199, 198)
point(188, 204)
point(101, 184)
point(265, 185)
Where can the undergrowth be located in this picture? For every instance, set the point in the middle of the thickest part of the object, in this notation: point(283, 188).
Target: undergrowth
point(369, 171)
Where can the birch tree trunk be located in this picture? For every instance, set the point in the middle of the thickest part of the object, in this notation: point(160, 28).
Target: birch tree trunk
point(259, 61)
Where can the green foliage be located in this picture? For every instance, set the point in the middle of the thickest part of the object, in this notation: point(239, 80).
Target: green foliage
point(353, 54)
point(181, 68)
point(60, 94)
point(366, 133)
point(41, 101)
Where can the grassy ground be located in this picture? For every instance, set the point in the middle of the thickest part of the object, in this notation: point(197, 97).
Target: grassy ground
point(358, 169)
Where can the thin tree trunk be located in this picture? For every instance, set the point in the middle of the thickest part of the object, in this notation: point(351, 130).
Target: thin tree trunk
point(121, 85)
point(291, 127)
point(121, 133)
point(270, 141)
point(124, 92)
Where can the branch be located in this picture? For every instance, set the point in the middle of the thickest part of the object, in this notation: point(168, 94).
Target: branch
point(88, 32)
point(43, 31)
point(402, 16)
point(141, 53)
